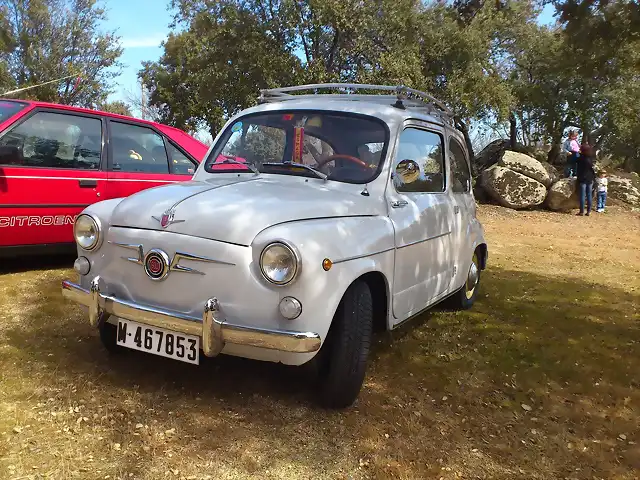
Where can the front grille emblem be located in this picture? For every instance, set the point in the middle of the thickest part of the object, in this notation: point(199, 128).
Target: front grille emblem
point(156, 264)
point(167, 218)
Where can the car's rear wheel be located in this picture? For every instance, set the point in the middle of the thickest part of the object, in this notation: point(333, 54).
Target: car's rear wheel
point(108, 337)
point(464, 298)
point(342, 361)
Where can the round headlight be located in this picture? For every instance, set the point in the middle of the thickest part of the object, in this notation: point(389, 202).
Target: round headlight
point(279, 263)
point(86, 232)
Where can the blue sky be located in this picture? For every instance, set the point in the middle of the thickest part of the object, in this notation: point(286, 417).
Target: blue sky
point(142, 25)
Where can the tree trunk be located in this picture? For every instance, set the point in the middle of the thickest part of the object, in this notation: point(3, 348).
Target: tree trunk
point(628, 164)
point(513, 131)
point(553, 153)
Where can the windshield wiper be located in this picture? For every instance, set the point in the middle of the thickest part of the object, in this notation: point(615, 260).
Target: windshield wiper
point(231, 160)
point(317, 173)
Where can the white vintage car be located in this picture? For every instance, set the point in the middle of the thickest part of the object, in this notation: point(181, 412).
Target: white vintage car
point(314, 219)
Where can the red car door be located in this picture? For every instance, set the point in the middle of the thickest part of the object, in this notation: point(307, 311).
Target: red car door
point(51, 167)
point(142, 157)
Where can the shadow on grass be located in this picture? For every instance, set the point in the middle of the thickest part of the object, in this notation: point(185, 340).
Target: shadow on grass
point(538, 379)
point(36, 263)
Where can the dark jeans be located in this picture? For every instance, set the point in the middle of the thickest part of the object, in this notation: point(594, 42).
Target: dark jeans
point(586, 190)
point(571, 166)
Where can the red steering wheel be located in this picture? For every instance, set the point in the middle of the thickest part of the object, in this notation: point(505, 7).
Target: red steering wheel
point(331, 158)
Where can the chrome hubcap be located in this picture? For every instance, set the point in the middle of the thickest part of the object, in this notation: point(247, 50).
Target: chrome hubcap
point(472, 278)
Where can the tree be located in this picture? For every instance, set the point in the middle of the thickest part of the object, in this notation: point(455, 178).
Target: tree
point(43, 40)
point(118, 106)
point(217, 64)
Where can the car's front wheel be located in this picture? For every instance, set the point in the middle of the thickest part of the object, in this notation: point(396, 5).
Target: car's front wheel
point(108, 337)
point(342, 361)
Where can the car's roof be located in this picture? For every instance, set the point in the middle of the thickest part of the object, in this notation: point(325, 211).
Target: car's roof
point(70, 108)
point(198, 148)
point(381, 109)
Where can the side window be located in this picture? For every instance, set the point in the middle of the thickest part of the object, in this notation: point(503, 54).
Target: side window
point(419, 162)
point(461, 177)
point(137, 149)
point(180, 164)
point(54, 140)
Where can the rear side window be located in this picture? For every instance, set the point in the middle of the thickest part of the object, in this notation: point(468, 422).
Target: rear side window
point(461, 176)
point(54, 140)
point(179, 162)
point(9, 109)
point(137, 149)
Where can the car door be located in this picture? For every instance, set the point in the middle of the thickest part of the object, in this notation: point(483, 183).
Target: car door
point(421, 215)
point(140, 157)
point(50, 170)
point(463, 207)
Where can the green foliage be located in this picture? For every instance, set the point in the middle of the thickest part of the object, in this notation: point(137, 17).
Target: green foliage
point(119, 107)
point(42, 40)
point(489, 61)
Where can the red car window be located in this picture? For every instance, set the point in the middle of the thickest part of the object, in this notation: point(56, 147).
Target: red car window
point(138, 149)
point(9, 109)
point(54, 140)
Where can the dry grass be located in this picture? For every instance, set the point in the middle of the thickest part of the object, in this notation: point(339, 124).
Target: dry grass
point(539, 380)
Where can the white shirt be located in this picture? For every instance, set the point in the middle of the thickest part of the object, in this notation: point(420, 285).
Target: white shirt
point(602, 184)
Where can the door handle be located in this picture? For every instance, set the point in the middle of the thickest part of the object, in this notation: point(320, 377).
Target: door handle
point(88, 183)
point(399, 204)
point(456, 209)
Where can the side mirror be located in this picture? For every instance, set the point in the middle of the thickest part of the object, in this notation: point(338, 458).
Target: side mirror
point(407, 171)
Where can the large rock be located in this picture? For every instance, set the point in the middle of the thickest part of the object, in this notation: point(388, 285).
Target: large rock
point(626, 190)
point(525, 165)
point(553, 172)
point(512, 189)
point(563, 195)
point(490, 155)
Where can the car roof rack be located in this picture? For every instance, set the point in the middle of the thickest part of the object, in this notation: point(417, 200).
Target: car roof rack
point(402, 97)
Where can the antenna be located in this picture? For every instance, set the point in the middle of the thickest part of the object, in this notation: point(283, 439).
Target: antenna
point(37, 85)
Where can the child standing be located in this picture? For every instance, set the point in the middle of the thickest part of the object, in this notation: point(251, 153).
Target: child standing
point(572, 151)
point(602, 182)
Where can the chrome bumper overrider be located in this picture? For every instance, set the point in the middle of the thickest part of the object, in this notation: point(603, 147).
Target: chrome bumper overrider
point(213, 329)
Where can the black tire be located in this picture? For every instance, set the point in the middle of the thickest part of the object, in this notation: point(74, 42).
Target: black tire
point(108, 337)
point(342, 361)
point(464, 298)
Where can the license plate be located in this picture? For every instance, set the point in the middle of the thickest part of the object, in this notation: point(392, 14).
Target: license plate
point(166, 343)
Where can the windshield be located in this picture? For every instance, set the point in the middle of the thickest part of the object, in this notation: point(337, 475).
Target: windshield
point(9, 109)
point(317, 144)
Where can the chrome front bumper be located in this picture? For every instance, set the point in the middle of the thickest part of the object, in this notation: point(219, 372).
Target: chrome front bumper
point(213, 329)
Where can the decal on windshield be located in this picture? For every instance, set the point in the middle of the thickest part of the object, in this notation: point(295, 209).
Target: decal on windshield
point(298, 143)
point(236, 127)
point(36, 220)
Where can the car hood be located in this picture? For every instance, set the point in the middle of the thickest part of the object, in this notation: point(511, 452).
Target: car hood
point(235, 210)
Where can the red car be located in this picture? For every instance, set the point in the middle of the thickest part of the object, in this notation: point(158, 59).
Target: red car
point(55, 160)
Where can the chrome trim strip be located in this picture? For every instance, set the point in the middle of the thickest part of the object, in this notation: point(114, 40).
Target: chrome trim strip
point(131, 246)
point(214, 330)
point(196, 258)
point(89, 178)
point(174, 264)
point(356, 257)
point(425, 240)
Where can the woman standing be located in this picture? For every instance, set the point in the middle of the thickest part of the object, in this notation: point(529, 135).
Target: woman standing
point(586, 175)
